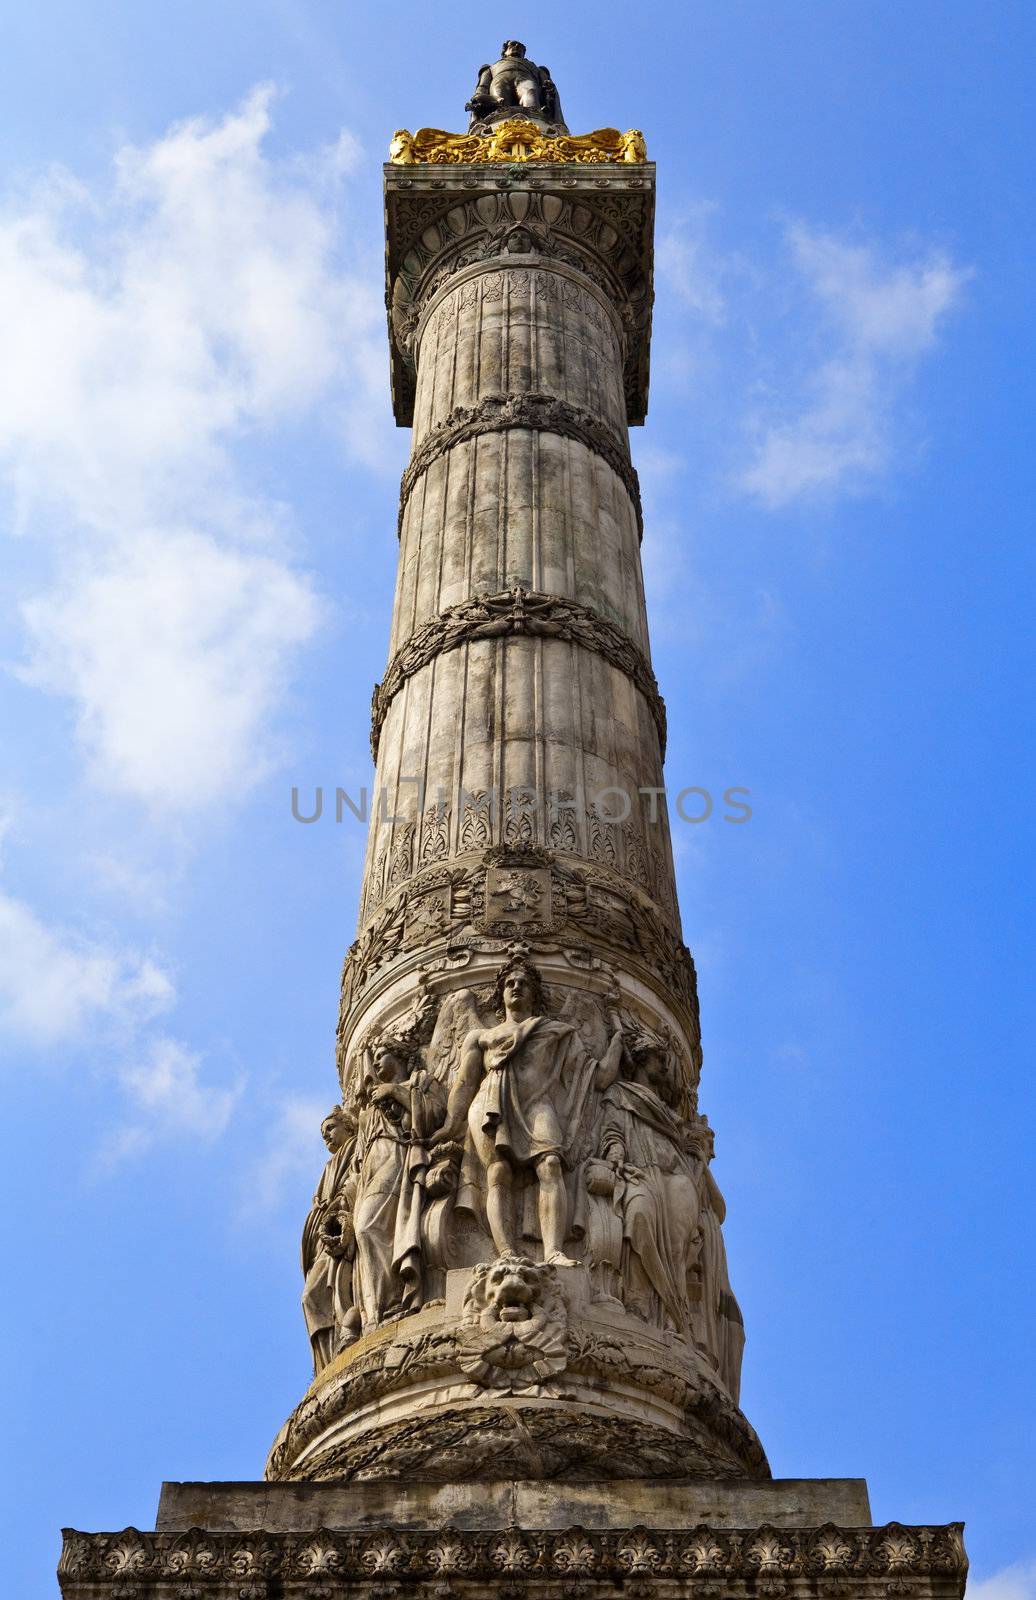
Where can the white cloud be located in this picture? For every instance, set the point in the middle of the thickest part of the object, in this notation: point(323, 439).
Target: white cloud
point(292, 1157)
point(1017, 1582)
point(61, 989)
point(167, 1099)
point(689, 267)
point(149, 330)
point(176, 650)
point(55, 985)
point(879, 319)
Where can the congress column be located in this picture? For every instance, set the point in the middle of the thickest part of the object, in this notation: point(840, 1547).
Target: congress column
point(526, 1349)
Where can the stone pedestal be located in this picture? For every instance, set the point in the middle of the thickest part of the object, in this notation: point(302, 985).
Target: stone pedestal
point(800, 1538)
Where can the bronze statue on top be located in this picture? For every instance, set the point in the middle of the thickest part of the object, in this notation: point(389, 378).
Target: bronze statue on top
point(511, 86)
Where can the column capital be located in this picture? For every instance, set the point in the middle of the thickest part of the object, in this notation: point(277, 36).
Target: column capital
point(598, 221)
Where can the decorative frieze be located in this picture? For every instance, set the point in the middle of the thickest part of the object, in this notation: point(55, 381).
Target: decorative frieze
point(832, 1561)
point(508, 896)
point(517, 140)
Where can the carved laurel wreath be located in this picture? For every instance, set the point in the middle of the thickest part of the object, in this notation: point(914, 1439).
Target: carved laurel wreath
point(516, 611)
point(541, 412)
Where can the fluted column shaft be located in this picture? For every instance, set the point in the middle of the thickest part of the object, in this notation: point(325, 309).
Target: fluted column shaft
point(549, 512)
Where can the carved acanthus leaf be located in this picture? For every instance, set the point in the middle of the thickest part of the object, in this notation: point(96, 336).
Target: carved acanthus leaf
point(103, 1564)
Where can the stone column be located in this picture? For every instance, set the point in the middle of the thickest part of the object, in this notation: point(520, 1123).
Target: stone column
point(519, 736)
point(519, 728)
point(526, 1347)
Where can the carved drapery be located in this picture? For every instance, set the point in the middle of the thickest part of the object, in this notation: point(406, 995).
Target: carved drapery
point(513, 1263)
point(516, 611)
point(529, 1200)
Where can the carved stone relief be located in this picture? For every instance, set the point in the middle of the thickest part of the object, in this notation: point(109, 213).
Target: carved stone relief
point(865, 1562)
point(537, 1135)
point(518, 895)
point(587, 902)
point(604, 236)
point(513, 1324)
point(435, 833)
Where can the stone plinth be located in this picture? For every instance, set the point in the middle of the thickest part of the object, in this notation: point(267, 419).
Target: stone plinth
point(790, 1538)
point(490, 1503)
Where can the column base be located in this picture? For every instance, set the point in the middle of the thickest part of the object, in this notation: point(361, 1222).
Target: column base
point(521, 1539)
point(592, 1393)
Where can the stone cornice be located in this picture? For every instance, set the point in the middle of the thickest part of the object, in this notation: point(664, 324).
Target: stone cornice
point(764, 1560)
point(516, 611)
point(543, 413)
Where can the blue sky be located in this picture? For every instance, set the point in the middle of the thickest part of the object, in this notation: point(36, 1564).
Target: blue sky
point(198, 476)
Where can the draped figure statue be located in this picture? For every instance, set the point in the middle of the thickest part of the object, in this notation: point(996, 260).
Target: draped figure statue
point(720, 1329)
point(401, 1104)
point(328, 1245)
point(646, 1188)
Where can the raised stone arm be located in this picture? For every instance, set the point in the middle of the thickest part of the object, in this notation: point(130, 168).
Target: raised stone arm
point(610, 1062)
point(393, 1098)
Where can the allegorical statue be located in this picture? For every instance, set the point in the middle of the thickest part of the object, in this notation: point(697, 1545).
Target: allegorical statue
point(512, 85)
point(524, 1089)
point(651, 1186)
point(328, 1245)
point(719, 1329)
point(401, 1103)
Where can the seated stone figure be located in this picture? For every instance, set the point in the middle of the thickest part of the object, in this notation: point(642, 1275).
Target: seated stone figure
point(514, 85)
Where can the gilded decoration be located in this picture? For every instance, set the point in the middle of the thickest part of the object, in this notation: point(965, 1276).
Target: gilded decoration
point(516, 139)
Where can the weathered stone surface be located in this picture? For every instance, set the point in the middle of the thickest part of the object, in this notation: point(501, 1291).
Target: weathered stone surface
point(581, 1390)
point(518, 1038)
point(515, 613)
point(505, 1503)
point(824, 1561)
point(445, 225)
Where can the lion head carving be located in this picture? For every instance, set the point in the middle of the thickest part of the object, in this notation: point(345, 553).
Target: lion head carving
point(513, 1324)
